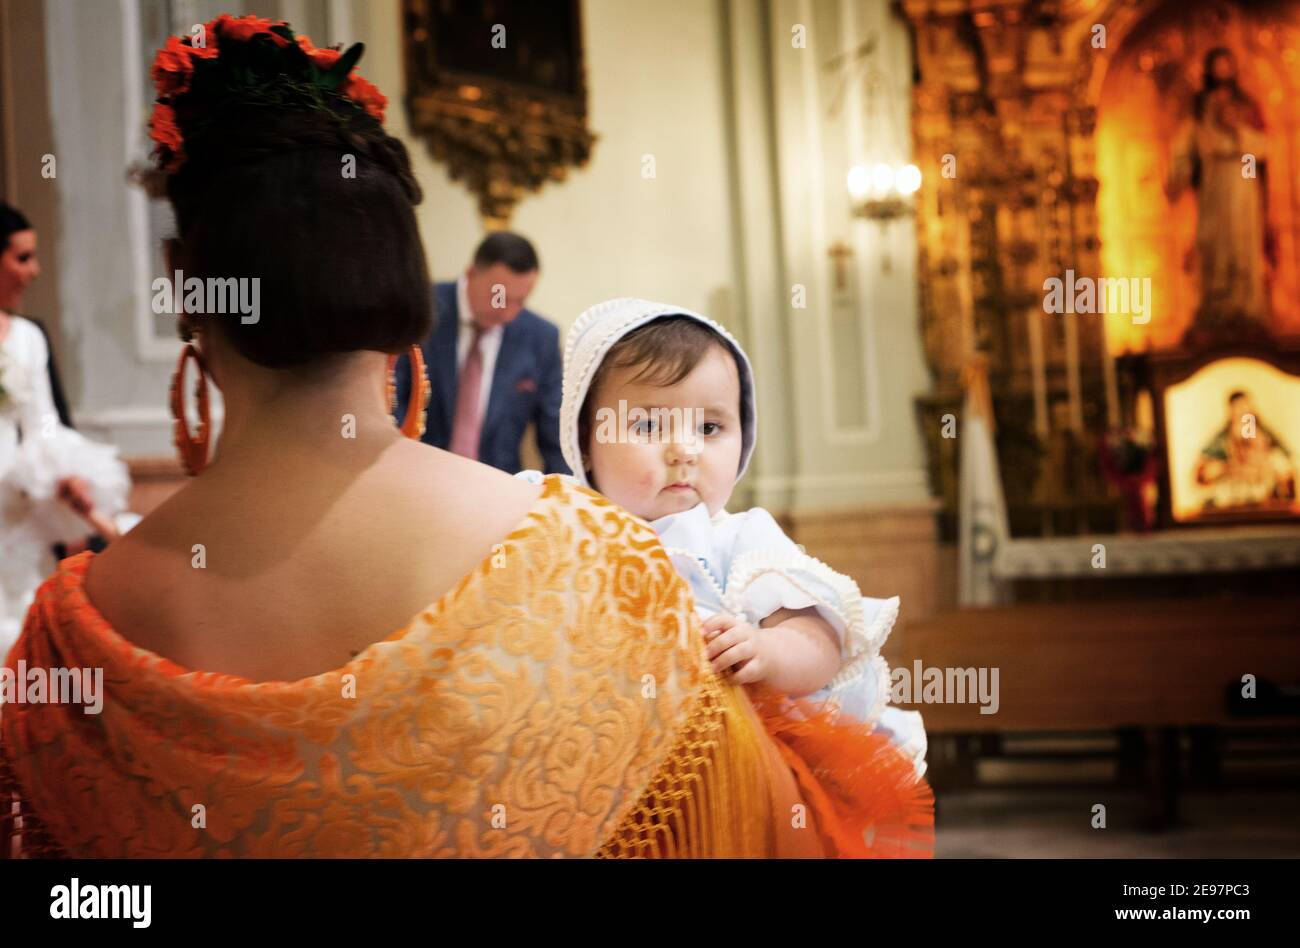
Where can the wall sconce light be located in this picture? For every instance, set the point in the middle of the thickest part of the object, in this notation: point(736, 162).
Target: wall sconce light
point(883, 192)
point(878, 191)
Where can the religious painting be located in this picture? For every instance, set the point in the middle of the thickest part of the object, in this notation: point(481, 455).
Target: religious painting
point(497, 89)
point(1233, 442)
point(1198, 143)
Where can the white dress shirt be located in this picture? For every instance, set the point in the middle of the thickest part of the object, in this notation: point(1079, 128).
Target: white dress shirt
point(489, 346)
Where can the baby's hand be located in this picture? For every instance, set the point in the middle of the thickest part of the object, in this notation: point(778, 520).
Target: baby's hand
point(736, 648)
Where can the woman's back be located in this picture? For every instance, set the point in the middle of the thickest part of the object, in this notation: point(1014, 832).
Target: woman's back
point(305, 559)
point(526, 712)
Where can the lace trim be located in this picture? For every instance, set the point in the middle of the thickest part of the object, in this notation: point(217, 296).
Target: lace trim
point(864, 644)
point(880, 668)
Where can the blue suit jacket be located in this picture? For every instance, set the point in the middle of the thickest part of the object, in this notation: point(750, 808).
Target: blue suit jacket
point(525, 386)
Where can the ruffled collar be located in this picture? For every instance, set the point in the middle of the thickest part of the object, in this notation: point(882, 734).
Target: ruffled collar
point(691, 541)
point(689, 530)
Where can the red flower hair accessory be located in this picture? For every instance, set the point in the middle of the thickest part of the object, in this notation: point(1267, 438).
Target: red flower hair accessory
point(248, 58)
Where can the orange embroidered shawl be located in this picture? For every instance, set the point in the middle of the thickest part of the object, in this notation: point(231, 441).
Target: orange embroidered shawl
point(556, 702)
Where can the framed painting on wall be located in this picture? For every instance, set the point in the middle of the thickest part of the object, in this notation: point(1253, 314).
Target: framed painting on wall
point(497, 90)
point(1231, 436)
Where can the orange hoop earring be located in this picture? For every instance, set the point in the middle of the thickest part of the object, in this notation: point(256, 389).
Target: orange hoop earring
point(418, 401)
point(193, 449)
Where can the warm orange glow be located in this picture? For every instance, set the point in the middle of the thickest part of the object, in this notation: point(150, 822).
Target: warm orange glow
point(1197, 410)
point(1145, 100)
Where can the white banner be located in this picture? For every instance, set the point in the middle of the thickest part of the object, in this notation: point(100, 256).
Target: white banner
point(982, 511)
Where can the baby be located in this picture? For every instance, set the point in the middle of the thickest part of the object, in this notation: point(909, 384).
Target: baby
point(659, 416)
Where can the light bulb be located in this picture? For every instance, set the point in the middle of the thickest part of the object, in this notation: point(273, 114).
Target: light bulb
point(859, 182)
point(882, 178)
point(908, 179)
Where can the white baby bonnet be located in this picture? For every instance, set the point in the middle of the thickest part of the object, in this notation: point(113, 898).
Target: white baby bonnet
point(590, 338)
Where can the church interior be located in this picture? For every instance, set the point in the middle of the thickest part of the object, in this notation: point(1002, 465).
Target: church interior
point(1019, 281)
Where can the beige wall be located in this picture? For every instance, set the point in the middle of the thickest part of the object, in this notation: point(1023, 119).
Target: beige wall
point(656, 81)
point(25, 137)
point(748, 197)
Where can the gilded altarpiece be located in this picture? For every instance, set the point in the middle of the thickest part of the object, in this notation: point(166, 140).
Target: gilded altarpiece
point(1045, 132)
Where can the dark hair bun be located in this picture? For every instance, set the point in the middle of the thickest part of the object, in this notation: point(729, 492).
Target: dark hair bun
point(318, 206)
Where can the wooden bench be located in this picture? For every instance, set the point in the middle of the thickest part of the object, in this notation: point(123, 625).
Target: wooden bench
point(1148, 669)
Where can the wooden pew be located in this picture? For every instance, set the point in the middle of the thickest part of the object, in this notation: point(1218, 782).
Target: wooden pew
point(1149, 668)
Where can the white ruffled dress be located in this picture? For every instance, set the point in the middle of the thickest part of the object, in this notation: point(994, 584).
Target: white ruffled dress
point(36, 452)
point(745, 565)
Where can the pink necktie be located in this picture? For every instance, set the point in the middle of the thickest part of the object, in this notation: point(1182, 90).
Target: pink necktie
point(467, 420)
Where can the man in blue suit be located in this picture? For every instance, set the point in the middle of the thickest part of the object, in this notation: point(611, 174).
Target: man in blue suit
point(494, 365)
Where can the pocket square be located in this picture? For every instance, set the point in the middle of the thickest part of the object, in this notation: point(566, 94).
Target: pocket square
point(524, 386)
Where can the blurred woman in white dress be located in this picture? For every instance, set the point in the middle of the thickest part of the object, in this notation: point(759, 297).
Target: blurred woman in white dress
point(55, 485)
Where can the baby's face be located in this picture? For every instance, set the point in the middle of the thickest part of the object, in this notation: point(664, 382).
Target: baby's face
point(682, 446)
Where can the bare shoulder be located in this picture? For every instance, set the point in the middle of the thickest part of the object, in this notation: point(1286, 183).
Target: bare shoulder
point(150, 543)
point(414, 484)
point(479, 498)
point(220, 571)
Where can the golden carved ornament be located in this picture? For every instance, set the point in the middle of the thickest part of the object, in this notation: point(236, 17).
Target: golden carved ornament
point(503, 104)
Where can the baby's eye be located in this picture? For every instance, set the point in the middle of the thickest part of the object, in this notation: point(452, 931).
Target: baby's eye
point(710, 427)
point(645, 426)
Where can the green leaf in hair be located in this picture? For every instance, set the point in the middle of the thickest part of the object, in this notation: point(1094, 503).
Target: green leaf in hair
point(339, 71)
